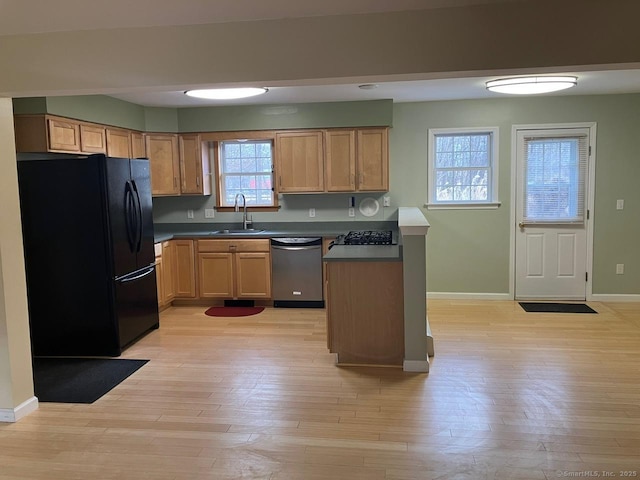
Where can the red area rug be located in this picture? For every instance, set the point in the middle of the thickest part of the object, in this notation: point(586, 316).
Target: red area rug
point(233, 311)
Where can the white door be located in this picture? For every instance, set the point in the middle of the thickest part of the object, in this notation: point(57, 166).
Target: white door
point(551, 213)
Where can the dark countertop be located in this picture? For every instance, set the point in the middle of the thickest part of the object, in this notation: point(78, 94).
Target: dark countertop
point(338, 253)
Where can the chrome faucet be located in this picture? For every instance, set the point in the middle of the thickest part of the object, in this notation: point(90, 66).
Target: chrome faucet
point(245, 221)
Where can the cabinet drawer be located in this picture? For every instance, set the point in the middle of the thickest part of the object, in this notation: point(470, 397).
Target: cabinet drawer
point(233, 245)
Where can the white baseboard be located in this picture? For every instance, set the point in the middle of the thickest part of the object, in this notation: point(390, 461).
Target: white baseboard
point(468, 296)
point(604, 297)
point(415, 365)
point(14, 414)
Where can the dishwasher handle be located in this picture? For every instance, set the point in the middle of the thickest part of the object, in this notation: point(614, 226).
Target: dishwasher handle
point(296, 242)
point(310, 247)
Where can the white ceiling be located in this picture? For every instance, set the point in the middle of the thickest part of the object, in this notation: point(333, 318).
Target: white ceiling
point(17, 17)
point(589, 83)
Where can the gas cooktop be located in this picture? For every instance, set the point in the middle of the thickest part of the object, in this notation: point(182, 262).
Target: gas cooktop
point(368, 237)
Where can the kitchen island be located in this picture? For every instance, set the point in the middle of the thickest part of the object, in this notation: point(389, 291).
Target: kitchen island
point(377, 311)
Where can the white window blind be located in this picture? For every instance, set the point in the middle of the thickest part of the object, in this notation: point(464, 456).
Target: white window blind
point(555, 170)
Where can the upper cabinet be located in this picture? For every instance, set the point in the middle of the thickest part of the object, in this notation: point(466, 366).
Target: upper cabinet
point(49, 133)
point(333, 160)
point(162, 151)
point(340, 160)
point(118, 142)
point(138, 145)
point(373, 159)
point(299, 160)
point(194, 166)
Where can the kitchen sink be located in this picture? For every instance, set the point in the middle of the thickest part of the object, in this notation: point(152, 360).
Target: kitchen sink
point(241, 231)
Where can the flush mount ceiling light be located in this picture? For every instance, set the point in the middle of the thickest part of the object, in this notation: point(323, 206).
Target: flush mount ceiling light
point(531, 85)
point(226, 93)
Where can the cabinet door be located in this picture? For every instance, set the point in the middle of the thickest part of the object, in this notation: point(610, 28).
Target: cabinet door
point(299, 162)
point(64, 135)
point(118, 143)
point(373, 160)
point(215, 272)
point(93, 139)
point(138, 147)
point(159, 281)
point(253, 271)
point(185, 278)
point(168, 273)
point(340, 160)
point(163, 159)
point(194, 166)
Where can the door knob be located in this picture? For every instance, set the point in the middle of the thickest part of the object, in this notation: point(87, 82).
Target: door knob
point(521, 224)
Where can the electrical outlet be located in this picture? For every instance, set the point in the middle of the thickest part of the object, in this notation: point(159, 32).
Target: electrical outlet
point(312, 212)
point(352, 212)
point(620, 269)
point(209, 213)
point(189, 213)
point(619, 204)
point(386, 201)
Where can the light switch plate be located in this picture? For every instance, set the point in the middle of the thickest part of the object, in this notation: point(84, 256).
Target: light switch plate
point(189, 213)
point(209, 213)
point(312, 212)
point(386, 201)
point(619, 204)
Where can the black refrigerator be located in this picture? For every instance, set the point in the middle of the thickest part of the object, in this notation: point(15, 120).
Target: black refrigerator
point(88, 244)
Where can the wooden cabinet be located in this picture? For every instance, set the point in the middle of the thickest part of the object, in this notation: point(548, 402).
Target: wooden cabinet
point(340, 160)
point(194, 166)
point(299, 161)
point(333, 160)
point(373, 159)
point(48, 133)
point(168, 273)
point(357, 160)
point(138, 146)
point(159, 273)
point(162, 151)
point(239, 269)
point(118, 143)
point(185, 275)
point(93, 138)
point(63, 135)
point(366, 317)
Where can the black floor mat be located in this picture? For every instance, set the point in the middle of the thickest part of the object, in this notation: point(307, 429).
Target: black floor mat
point(556, 307)
point(79, 380)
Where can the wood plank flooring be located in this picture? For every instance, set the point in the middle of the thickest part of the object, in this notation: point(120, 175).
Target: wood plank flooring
point(510, 395)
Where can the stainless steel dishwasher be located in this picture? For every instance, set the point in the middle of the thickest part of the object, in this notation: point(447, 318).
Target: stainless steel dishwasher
point(296, 266)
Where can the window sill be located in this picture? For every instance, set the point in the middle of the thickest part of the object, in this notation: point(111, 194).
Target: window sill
point(463, 206)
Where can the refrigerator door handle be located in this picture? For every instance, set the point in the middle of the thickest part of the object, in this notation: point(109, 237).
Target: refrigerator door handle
point(126, 278)
point(139, 217)
point(128, 215)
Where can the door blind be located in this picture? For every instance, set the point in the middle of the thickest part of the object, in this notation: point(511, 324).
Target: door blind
point(555, 170)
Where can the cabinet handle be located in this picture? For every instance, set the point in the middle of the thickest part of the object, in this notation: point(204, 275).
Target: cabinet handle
point(353, 179)
point(361, 178)
point(175, 182)
point(198, 181)
point(280, 180)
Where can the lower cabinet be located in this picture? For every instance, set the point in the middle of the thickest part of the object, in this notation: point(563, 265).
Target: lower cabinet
point(234, 269)
point(184, 268)
point(175, 270)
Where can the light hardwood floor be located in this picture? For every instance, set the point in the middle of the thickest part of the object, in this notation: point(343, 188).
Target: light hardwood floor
point(510, 395)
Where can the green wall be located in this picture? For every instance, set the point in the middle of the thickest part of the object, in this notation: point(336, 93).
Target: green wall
point(99, 109)
point(267, 117)
point(468, 250)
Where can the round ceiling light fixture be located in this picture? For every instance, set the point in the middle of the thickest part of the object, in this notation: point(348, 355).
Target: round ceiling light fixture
point(531, 85)
point(226, 93)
